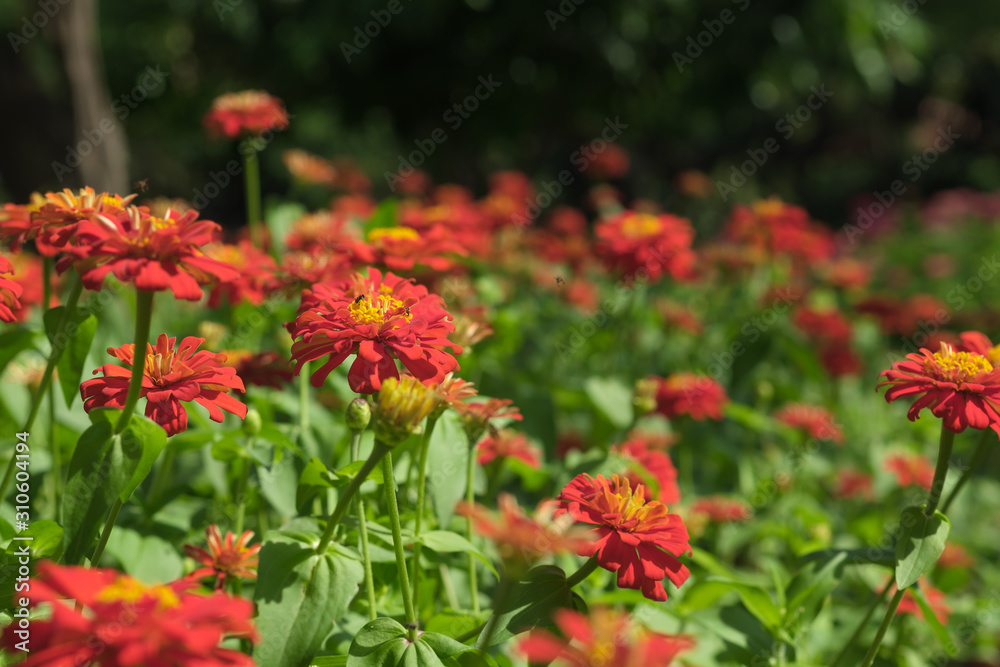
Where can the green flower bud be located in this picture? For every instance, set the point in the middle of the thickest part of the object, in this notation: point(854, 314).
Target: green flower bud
point(359, 414)
point(252, 422)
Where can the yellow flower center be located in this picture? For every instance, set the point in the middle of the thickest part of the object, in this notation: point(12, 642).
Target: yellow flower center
point(767, 207)
point(127, 589)
point(640, 225)
point(158, 365)
point(367, 309)
point(402, 233)
point(958, 366)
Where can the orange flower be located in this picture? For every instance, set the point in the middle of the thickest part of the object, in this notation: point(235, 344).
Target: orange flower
point(658, 244)
point(720, 509)
point(309, 168)
point(602, 638)
point(402, 248)
point(248, 112)
point(960, 388)
point(635, 537)
point(52, 221)
point(648, 462)
point(854, 484)
point(698, 396)
point(256, 270)
point(520, 539)
point(10, 292)
point(506, 443)
point(935, 599)
point(777, 228)
point(477, 417)
point(955, 555)
point(170, 376)
point(224, 560)
point(816, 421)
point(910, 469)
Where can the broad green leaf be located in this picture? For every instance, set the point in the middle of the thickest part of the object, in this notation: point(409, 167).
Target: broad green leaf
point(329, 661)
point(380, 642)
point(279, 219)
point(47, 543)
point(611, 397)
point(12, 343)
point(75, 339)
point(810, 587)
point(443, 646)
point(445, 541)
point(757, 601)
point(934, 622)
point(149, 438)
point(314, 478)
point(452, 624)
point(148, 558)
point(298, 605)
point(535, 598)
point(46, 540)
point(447, 457)
point(920, 544)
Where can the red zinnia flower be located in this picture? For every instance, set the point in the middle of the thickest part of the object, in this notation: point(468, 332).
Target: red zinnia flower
point(720, 509)
point(854, 484)
point(637, 538)
point(156, 254)
point(309, 168)
point(777, 228)
point(380, 319)
point(603, 638)
point(10, 292)
point(507, 443)
point(246, 112)
point(170, 376)
point(256, 270)
point(689, 394)
point(935, 599)
point(262, 369)
point(224, 559)
point(402, 248)
point(477, 417)
point(955, 555)
point(167, 625)
point(817, 421)
point(647, 462)
point(974, 341)
point(960, 388)
point(659, 244)
point(910, 469)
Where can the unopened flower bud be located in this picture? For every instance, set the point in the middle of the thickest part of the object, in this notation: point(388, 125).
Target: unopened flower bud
point(401, 407)
point(359, 414)
point(252, 422)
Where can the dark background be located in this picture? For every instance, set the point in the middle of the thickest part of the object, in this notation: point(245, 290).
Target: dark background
point(895, 79)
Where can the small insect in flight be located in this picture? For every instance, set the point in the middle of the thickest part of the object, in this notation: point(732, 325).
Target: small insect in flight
point(560, 281)
point(142, 185)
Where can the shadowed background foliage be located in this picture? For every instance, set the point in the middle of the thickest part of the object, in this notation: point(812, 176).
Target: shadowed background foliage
point(698, 84)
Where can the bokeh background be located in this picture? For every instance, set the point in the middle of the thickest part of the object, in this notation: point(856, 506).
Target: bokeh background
point(695, 91)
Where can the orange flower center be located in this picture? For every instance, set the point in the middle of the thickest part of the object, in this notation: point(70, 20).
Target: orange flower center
point(367, 309)
point(400, 233)
point(640, 225)
point(127, 589)
point(955, 366)
point(158, 365)
point(625, 508)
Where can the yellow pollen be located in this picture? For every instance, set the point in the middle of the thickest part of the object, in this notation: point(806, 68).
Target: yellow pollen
point(158, 365)
point(393, 233)
point(162, 223)
point(378, 309)
point(960, 366)
point(641, 224)
point(127, 589)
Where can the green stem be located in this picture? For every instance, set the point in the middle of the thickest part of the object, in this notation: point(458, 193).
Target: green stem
point(977, 458)
point(109, 525)
point(344, 502)
point(504, 589)
point(877, 602)
point(425, 441)
point(389, 483)
point(449, 589)
point(582, 573)
point(363, 531)
point(160, 477)
point(886, 621)
point(941, 470)
point(46, 381)
point(53, 438)
point(240, 490)
point(304, 399)
point(470, 498)
point(251, 175)
point(143, 319)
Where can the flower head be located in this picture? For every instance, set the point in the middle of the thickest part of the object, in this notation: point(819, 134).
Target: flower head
point(309, 168)
point(719, 509)
point(935, 599)
point(10, 292)
point(261, 369)
point(777, 228)
point(156, 254)
point(648, 463)
point(602, 638)
point(816, 421)
point(910, 469)
point(168, 625)
point(380, 319)
point(256, 269)
point(250, 112)
point(697, 396)
point(659, 244)
point(169, 377)
point(854, 484)
point(637, 538)
point(224, 559)
point(961, 388)
point(402, 406)
point(506, 443)
point(52, 220)
point(478, 417)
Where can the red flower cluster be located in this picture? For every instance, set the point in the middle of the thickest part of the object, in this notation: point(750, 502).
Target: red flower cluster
point(962, 388)
point(248, 112)
point(657, 244)
point(697, 396)
point(910, 469)
point(506, 443)
point(816, 421)
point(10, 292)
point(831, 332)
point(776, 228)
point(635, 537)
point(169, 377)
point(935, 599)
point(602, 638)
point(648, 462)
point(719, 509)
point(121, 622)
point(379, 318)
point(256, 279)
point(854, 484)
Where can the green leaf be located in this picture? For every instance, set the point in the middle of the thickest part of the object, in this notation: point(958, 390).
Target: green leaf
point(329, 661)
point(149, 438)
point(445, 541)
point(75, 338)
point(380, 642)
point(611, 397)
point(93, 481)
point(447, 458)
point(300, 595)
point(920, 544)
point(757, 601)
point(314, 478)
point(351, 470)
point(12, 343)
point(443, 647)
point(810, 588)
point(46, 542)
point(542, 591)
point(279, 219)
point(934, 622)
point(148, 558)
